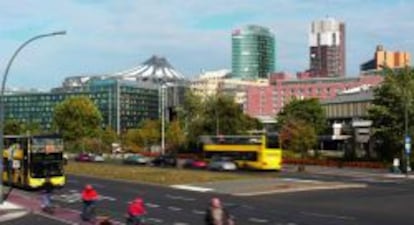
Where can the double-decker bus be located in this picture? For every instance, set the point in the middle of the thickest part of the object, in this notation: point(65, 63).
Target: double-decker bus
point(260, 152)
point(30, 159)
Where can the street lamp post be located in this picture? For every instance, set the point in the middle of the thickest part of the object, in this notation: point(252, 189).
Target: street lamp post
point(163, 88)
point(3, 86)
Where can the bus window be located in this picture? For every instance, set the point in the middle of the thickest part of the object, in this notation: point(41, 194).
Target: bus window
point(272, 141)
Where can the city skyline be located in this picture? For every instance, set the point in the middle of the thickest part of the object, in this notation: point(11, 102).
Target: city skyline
point(108, 36)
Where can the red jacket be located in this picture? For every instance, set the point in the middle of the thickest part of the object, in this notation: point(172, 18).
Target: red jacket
point(136, 208)
point(89, 195)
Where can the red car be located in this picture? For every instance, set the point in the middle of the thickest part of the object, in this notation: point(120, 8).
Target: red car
point(199, 164)
point(83, 157)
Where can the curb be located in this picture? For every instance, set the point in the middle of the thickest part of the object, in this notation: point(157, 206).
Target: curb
point(338, 186)
point(14, 215)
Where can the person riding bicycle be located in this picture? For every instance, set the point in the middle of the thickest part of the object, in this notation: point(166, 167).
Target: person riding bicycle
point(136, 211)
point(89, 197)
point(217, 215)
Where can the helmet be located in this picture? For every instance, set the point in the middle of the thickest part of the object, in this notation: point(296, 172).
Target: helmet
point(215, 202)
point(138, 200)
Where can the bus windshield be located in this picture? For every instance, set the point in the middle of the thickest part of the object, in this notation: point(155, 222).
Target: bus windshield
point(43, 165)
point(272, 142)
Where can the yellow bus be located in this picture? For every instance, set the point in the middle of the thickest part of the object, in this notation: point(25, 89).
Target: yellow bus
point(29, 159)
point(259, 152)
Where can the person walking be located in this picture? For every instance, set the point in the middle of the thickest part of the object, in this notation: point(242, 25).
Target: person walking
point(136, 212)
point(47, 191)
point(217, 215)
point(89, 197)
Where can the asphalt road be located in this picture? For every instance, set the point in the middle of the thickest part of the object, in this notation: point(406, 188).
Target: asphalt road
point(383, 202)
point(380, 203)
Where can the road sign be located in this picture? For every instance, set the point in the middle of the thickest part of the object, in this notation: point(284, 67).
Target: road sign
point(407, 144)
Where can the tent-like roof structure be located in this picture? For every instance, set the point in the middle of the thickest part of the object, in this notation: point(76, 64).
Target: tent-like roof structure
point(155, 69)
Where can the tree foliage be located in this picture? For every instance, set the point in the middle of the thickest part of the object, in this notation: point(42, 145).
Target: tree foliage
point(387, 112)
point(175, 137)
point(299, 136)
point(14, 127)
point(77, 118)
point(307, 110)
point(217, 114)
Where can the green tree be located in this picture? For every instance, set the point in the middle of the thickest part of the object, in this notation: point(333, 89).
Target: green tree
point(299, 136)
point(107, 137)
point(222, 115)
point(12, 127)
point(175, 137)
point(77, 118)
point(308, 110)
point(391, 100)
point(15, 127)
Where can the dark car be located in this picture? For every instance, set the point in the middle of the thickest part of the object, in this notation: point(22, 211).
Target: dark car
point(84, 157)
point(136, 159)
point(165, 160)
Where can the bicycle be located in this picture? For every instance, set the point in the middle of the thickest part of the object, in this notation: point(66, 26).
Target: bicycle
point(89, 213)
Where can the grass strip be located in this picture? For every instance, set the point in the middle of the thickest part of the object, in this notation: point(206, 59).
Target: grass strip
point(163, 176)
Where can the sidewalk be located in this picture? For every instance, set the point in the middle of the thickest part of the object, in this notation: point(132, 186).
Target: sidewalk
point(19, 205)
point(348, 172)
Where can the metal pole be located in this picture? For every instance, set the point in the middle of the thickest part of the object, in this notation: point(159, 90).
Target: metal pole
point(3, 86)
point(162, 119)
point(407, 156)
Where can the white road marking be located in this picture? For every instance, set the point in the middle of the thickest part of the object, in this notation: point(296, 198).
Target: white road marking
point(328, 216)
point(199, 212)
point(152, 205)
point(155, 220)
point(173, 208)
point(173, 196)
point(191, 188)
point(258, 220)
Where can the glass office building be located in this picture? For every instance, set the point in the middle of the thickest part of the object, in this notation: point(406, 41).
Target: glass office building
point(123, 104)
point(253, 52)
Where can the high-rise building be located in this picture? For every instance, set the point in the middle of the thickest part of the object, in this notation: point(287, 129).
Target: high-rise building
point(327, 48)
point(253, 52)
point(384, 58)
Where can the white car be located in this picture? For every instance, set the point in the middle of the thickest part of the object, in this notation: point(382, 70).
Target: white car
point(98, 158)
point(222, 165)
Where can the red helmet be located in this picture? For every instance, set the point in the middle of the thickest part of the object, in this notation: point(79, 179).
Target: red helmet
point(138, 200)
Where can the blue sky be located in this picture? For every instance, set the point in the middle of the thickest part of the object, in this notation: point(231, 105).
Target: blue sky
point(108, 36)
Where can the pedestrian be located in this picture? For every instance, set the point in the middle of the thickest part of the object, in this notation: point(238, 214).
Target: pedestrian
point(47, 191)
point(89, 197)
point(136, 211)
point(217, 215)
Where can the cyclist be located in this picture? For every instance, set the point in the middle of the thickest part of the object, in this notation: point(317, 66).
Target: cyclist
point(217, 215)
point(89, 197)
point(136, 212)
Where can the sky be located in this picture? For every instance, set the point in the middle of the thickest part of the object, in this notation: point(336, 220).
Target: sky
point(108, 36)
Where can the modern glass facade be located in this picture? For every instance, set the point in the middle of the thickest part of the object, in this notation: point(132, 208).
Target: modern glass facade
point(253, 52)
point(123, 104)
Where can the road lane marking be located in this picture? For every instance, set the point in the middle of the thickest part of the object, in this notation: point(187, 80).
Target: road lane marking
point(258, 220)
point(191, 188)
point(155, 220)
point(199, 212)
point(175, 197)
point(173, 208)
point(152, 205)
point(328, 216)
